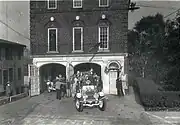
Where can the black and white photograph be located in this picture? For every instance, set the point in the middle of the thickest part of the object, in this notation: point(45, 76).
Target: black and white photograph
point(89, 62)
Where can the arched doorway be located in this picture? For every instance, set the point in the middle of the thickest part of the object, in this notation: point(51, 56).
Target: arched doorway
point(50, 71)
point(87, 66)
point(113, 74)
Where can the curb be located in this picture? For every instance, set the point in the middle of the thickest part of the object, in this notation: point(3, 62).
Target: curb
point(7, 100)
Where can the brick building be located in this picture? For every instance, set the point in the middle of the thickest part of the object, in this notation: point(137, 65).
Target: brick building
point(65, 35)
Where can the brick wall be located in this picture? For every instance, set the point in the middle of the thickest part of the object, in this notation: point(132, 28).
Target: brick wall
point(64, 15)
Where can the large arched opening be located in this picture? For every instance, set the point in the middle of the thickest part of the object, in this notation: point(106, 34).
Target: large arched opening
point(87, 66)
point(49, 72)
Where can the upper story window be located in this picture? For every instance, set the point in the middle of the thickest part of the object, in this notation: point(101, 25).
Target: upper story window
point(77, 39)
point(8, 54)
point(19, 74)
point(52, 40)
point(103, 3)
point(10, 74)
point(52, 4)
point(20, 53)
point(2, 53)
point(77, 3)
point(104, 37)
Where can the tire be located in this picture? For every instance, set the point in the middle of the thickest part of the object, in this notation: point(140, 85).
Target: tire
point(102, 105)
point(79, 105)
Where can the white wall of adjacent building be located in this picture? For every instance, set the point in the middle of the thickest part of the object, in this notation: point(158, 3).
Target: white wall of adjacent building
point(15, 14)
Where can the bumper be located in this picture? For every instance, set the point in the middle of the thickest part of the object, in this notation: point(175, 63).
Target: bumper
point(92, 103)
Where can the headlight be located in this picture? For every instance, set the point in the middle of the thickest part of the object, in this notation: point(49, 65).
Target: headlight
point(96, 96)
point(85, 96)
point(88, 82)
point(101, 93)
point(78, 95)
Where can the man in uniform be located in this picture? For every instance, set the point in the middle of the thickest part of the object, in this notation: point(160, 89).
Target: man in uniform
point(119, 87)
point(8, 89)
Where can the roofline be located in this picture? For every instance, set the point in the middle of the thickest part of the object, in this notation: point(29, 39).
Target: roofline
point(10, 42)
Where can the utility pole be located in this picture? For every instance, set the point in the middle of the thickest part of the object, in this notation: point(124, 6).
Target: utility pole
point(132, 6)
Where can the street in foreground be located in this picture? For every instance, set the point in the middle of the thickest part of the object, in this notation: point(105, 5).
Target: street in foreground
point(46, 110)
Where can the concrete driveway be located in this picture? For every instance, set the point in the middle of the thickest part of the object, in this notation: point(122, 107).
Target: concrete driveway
point(46, 110)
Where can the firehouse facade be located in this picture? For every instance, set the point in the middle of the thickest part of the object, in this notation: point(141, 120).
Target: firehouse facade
point(76, 35)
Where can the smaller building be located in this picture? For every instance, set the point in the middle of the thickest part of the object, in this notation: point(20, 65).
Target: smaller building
point(11, 66)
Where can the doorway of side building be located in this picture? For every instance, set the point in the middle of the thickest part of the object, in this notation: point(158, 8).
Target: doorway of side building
point(87, 66)
point(49, 72)
point(113, 75)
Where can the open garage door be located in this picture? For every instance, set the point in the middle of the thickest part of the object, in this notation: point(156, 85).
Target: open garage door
point(87, 66)
point(49, 72)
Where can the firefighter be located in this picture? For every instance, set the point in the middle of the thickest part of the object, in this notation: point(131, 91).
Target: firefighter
point(119, 87)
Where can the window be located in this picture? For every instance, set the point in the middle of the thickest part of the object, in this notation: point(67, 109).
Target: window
point(2, 55)
point(77, 39)
point(8, 54)
point(19, 74)
point(104, 37)
point(10, 74)
point(52, 39)
point(77, 3)
point(103, 3)
point(5, 77)
point(19, 55)
point(52, 4)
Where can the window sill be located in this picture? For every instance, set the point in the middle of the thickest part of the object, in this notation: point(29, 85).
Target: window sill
point(52, 8)
point(103, 6)
point(77, 7)
point(52, 52)
point(77, 51)
point(103, 50)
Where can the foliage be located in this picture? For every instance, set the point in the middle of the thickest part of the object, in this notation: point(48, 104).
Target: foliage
point(145, 42)
point(155, 98)
point(154, 49)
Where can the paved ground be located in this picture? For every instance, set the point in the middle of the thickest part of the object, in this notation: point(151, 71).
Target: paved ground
point(46, 110)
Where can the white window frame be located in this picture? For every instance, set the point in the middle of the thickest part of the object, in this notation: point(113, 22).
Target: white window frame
point(103, 5)
point(56, 39)
point(77, 6)
point(52, 7)
point(81, 39)
point(107, 38)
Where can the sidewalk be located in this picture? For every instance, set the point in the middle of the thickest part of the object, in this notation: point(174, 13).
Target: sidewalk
point(168, 117)
point(4, 99)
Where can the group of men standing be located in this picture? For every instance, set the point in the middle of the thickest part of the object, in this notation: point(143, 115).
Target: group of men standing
point(68, 87)
point(62, 87)
point(78, 78)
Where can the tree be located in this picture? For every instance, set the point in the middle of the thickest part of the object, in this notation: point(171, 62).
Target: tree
point(145, 41)
point(172, 54)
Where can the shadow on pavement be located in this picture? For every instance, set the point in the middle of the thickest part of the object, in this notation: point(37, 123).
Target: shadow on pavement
point(137, 96)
